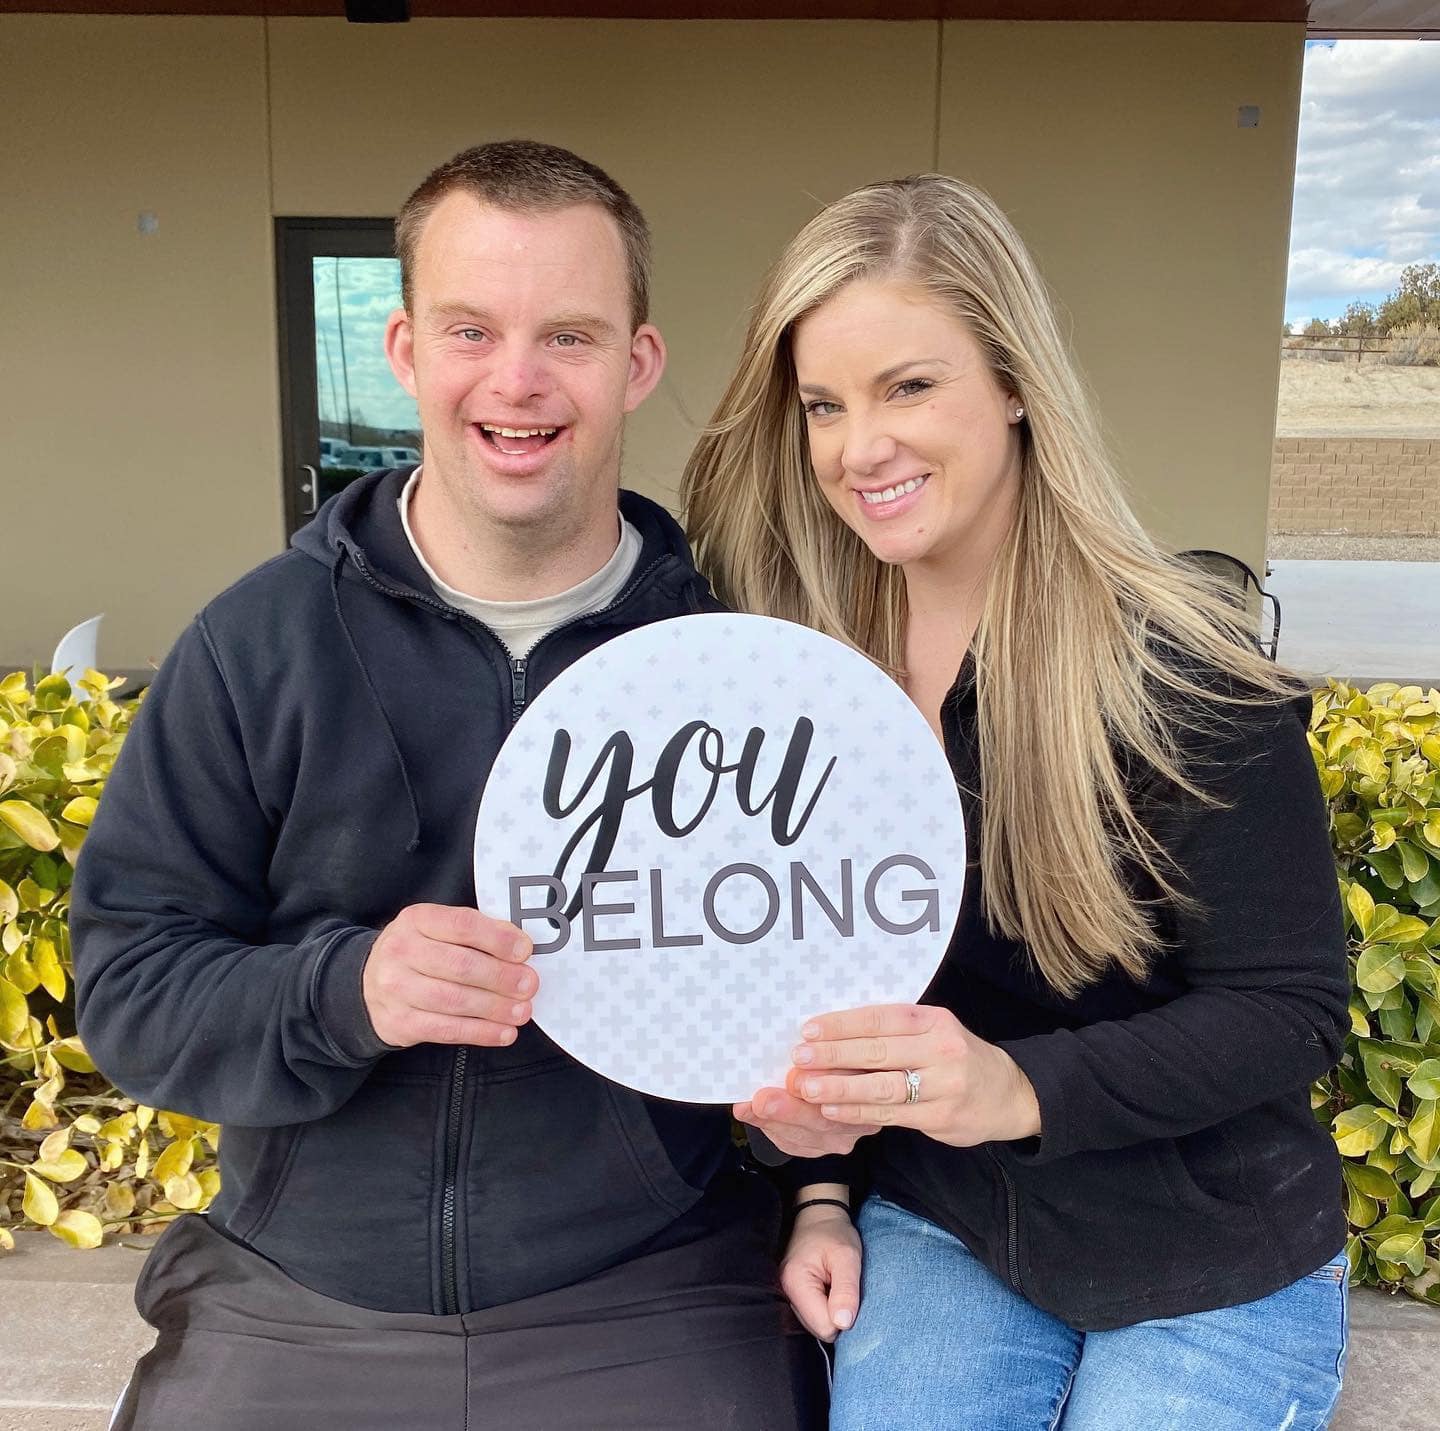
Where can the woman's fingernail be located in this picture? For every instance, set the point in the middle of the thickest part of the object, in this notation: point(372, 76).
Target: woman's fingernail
point(803, 1054)
point(810, 1031)
point(843, 1318)
point(829, 1110)
point(812, 1087)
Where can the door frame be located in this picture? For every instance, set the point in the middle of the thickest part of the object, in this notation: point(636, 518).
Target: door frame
point(298, 241)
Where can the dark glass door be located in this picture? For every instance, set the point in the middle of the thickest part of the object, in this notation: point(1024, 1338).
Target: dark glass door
point(342, 412)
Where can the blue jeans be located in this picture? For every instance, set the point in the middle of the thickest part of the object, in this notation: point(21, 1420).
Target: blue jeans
point(941, 1344)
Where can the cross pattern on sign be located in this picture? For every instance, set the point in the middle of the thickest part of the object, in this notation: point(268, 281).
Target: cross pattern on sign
point(816, 793)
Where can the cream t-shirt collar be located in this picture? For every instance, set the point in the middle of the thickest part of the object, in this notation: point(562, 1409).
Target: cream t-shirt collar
point(521, 624)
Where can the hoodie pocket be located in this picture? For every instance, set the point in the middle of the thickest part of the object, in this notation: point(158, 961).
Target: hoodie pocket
point(257, 1161)
point(347, 1209)
point(1104, 1230)
point(565, 1175)
point(1205, 1175)
point(636, 1131)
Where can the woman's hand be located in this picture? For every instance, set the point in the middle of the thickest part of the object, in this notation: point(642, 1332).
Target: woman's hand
point(797, 1127)
point(969, 1091)
point(820, 1272)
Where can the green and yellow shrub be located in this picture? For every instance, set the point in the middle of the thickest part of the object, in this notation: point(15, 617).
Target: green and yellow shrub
point(1378, 754)
point(76, 1155)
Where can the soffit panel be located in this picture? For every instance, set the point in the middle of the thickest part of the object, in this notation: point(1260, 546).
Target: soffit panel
point(1114, 10)
point(1325, 17)
point(1398, 18)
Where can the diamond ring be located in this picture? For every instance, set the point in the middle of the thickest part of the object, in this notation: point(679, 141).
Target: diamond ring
point(912, 1086)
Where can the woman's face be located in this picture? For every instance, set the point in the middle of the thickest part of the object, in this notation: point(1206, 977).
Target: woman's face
point(912, 439)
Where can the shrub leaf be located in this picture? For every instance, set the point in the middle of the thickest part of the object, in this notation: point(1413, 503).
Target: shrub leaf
point(64, 1169)
point(40, 1204)
point(1358, 1130)
point(1379, 968)
point(1425, 1130)
point(1362, 907)
point(1425, 1081)
point(30, 824)
point(78, 1228)
point(14, 1014)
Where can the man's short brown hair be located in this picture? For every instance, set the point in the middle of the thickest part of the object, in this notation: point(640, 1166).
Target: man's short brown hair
point(527, 176)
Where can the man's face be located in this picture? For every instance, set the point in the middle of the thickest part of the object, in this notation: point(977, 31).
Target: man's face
point(519, 353)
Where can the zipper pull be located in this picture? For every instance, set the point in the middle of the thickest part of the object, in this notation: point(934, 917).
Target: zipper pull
point(517, 686)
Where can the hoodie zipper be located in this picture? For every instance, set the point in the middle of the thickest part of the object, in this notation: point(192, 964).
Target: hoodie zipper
point(519, 667)
point(517, 687)
point(1012, 1224)
point(450, 1280)
point(450, 1249)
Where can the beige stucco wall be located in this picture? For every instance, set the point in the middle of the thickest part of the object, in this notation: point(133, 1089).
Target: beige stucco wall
point(1164, 228)
point(137, 373)
point(142, 371)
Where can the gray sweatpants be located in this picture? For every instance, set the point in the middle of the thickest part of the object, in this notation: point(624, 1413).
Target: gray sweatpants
point(696, 1336)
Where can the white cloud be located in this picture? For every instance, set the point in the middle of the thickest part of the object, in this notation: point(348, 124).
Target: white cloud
point(1367, 180)
point(1322, 271)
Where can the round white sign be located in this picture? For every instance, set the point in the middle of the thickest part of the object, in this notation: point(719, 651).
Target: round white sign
point(714, 828)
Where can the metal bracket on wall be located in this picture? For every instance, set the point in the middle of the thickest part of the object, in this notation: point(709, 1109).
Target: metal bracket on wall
point(377, 12)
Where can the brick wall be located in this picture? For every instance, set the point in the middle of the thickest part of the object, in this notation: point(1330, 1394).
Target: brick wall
point(1364, 486)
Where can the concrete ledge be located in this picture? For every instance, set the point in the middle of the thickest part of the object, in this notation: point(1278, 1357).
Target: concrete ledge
point(70, 1331)
point(1390, 1381)
point(71, 1335)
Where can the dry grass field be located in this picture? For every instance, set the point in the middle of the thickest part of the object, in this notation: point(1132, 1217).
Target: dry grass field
point(1350, 399)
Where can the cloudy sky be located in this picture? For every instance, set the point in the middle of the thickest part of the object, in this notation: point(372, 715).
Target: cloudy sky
point(1367, 180)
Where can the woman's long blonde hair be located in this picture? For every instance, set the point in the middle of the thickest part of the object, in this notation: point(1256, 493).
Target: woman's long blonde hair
point(1095, 651)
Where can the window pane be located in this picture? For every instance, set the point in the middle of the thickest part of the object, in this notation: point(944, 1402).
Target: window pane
point(367, 420)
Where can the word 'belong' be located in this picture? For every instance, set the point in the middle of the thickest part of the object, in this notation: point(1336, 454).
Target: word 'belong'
point(614, 894)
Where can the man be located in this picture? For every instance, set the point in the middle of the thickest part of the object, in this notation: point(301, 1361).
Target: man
point(429, 1216)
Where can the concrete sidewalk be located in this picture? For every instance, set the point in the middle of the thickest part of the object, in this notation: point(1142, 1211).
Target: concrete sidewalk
point(1364, 620)
point(70, 1335)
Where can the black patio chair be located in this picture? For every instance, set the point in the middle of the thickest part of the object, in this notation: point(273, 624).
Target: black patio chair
point(1236, 572)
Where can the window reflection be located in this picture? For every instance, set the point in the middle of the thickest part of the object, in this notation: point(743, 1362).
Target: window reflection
point(367, 420)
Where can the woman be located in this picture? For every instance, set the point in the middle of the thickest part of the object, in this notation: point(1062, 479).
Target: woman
point(1097, 1197)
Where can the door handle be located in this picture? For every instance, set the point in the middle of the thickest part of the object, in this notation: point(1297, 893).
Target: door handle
point(311, 490)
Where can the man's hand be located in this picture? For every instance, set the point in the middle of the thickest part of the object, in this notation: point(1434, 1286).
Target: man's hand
point(439, 974)
point(795, 1126)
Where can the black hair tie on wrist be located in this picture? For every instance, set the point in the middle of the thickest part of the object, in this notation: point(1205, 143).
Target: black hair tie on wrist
point(820, 1202)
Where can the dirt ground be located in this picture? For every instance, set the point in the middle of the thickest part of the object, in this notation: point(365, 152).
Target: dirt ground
point(1350, 399)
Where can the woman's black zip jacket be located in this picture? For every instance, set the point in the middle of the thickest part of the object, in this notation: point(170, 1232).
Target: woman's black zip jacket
point(308, 762)
point(1180, 1167)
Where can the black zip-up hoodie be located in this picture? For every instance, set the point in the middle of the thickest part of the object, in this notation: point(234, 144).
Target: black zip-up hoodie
point(308, 762)
point(1180, 1168)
